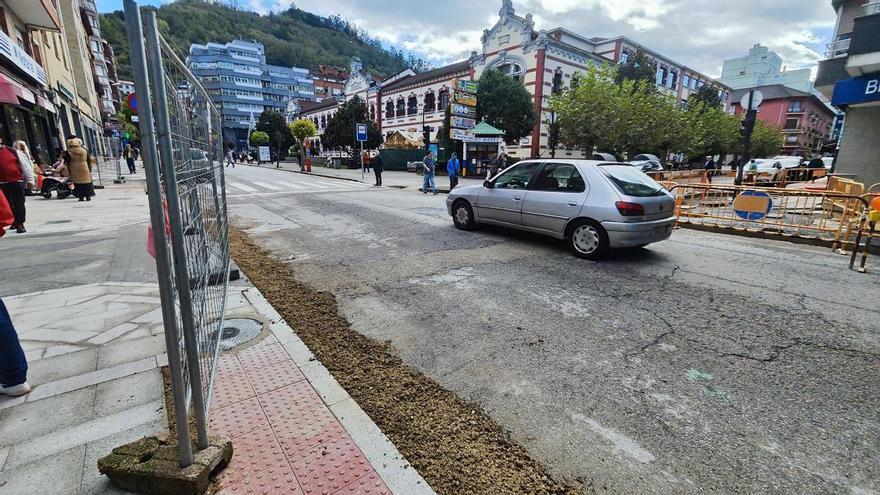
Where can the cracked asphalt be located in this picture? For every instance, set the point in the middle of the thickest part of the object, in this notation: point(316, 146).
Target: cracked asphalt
point(704, 364)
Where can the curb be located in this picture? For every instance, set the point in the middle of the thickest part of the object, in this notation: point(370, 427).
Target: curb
point(397, 473)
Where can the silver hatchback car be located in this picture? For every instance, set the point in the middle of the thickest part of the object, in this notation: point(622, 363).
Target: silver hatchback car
point(594, 205)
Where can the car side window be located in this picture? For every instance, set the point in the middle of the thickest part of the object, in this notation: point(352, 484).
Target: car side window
point(517, 177)
point(559, 177)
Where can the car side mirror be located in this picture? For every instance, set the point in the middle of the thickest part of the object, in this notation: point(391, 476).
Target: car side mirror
point(488, 184)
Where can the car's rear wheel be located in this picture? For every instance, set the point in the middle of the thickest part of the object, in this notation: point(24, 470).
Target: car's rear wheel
point(463, 215)
point(588, 239)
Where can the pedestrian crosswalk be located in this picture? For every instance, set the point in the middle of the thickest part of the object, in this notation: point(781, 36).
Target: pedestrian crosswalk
point(240, 186)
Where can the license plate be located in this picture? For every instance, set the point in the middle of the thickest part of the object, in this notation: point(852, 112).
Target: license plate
point(661, 230)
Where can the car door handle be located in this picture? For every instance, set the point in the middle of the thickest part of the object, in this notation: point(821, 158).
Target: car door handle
point(572, 204)
point(517, 199)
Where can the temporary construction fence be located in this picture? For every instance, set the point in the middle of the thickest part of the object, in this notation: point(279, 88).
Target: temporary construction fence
point(836, 215)
point(181, 147)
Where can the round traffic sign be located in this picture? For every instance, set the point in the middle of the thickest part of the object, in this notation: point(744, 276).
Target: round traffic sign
point(752, 205)
point(757, 99)
point(132, 103)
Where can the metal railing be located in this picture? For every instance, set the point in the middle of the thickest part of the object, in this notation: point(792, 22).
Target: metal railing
point(181, 147)
point(829, 216)
point(836, 49)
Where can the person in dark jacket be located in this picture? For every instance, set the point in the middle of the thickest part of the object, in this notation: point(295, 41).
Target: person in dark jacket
point(377, 169)
point(710, 168)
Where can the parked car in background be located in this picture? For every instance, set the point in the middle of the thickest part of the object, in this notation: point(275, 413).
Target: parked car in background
point(828, 161)
point(594, 205)
point(788, 161)
point(604, 157)
point(647, 163)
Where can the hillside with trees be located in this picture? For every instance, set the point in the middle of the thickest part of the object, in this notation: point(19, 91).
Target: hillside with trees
point(292, 38)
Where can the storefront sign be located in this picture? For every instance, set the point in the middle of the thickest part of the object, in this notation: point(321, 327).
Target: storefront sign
point(484, 140)
point(18, 57)
point(463, 122)
point(857, 90)
point(461, 135)
point(465, 99)
point(466, 86)
point(464, 111)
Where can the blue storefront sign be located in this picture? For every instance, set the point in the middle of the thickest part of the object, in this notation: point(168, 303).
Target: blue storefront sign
point(857, 90)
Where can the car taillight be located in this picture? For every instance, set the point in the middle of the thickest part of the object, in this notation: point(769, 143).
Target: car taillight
point(630, 209)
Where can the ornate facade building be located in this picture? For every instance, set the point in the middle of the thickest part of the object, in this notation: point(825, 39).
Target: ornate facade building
point(512, 45)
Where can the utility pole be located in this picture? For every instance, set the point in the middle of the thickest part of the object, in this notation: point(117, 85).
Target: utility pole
point(750, 102)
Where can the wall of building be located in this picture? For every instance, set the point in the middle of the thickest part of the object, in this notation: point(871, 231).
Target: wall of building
point(804, 129)
point(860, 147)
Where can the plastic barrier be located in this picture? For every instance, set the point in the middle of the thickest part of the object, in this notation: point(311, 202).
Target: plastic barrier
point(823, 215)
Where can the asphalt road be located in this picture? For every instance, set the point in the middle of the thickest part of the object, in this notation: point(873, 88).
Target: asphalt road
point(704, 364)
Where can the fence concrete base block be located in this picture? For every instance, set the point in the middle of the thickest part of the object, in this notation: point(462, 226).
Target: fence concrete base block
point(150, 466)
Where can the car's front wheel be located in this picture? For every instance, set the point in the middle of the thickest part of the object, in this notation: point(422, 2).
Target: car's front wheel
point(588, 239)
point(463, 215)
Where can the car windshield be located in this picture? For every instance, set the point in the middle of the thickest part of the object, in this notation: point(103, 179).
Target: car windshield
point(631, 181)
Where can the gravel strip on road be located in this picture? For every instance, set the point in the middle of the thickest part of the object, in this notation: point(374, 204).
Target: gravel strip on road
point(455, 446)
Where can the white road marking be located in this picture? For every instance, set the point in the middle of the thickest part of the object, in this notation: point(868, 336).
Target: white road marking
point(268, 186)
point(241, 186)
point(290, 185)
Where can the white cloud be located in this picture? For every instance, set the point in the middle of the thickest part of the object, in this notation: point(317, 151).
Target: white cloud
point(697, 33)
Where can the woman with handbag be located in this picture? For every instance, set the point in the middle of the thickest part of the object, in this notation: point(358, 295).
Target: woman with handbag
point(79, 166)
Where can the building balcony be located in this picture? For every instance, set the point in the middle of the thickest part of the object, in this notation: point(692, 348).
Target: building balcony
point(837, 49)
point(864, 50)
point(40, 14)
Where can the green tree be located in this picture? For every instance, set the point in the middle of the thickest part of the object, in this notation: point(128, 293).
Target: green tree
point(273, 123)
point(302, 129)
point(259, 138)
point(767, 140)
point(707, 95)
point(340, 130)
point(638, 67)
point(505, 103)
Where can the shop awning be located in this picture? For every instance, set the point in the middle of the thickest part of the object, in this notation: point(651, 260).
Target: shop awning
point(9, 91)
point(484, 129)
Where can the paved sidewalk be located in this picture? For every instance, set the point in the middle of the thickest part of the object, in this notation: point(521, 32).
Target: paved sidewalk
point(89, 317)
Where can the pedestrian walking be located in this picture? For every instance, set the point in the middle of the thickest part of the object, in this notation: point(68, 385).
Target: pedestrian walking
point(710, 168)
point(15, 175)
point(79, 166)
point(366, 159)
point(129, 158)
point(378, 169)
point(453, 167)
point(230, 158)
point(13, 364)
point(429, 166)
point(27, 160)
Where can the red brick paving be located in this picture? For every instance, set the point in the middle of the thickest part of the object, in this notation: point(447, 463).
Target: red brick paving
point(285, 439)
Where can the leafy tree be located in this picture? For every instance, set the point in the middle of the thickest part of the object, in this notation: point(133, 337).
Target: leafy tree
point(340, 130)
point(505, 103)
point(707, 95)
point(302, 129)
point(638, 67)
point(259, 138)
point(767, 140)
point(273, 123)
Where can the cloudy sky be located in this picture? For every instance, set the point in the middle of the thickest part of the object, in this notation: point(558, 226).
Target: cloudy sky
point(698, 33)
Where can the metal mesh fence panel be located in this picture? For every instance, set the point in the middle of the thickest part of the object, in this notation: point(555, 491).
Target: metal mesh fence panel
point(182, 149)
point(196, 143)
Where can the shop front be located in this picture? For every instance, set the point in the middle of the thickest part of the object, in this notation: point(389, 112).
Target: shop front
point(479, 151)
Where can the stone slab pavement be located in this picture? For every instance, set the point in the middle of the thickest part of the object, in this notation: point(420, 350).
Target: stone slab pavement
point(94, 341)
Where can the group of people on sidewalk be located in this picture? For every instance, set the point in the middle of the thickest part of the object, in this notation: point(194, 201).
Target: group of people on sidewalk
point(22, 173)
point(429, 169)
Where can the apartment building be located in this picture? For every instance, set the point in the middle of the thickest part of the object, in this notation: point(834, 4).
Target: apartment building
point(242, 84)
point(850, 76)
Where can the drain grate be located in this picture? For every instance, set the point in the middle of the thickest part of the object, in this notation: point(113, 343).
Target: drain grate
point(239, 331)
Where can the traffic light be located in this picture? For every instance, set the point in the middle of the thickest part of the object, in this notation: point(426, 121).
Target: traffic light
point(426, 135)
